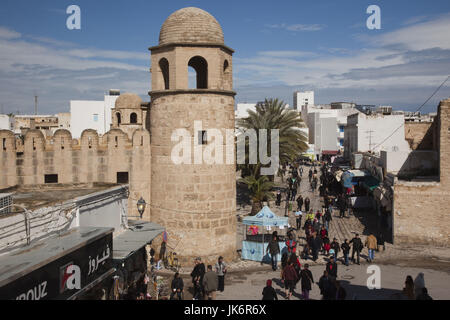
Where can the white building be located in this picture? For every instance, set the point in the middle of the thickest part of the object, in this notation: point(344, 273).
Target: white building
point(243, 108)
point(6, 122)
point(95, 115)
point(326, 127)
point(302, 99)
point(375, 132)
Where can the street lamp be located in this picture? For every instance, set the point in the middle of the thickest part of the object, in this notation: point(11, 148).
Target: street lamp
point(141, 206)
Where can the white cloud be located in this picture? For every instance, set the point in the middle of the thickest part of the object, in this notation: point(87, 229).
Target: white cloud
point(298, 27)
point(6, 33)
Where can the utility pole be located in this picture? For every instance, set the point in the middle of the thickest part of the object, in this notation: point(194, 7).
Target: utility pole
point(35, 104)
point(370, 138)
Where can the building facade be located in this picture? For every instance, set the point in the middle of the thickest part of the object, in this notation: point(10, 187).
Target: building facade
point(303, 99)
point(94, 115)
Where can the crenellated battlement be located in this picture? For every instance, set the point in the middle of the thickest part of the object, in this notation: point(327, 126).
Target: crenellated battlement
point(33, 159)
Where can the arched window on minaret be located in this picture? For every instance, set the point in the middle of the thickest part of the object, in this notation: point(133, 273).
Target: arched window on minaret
point(200, 66)
point(164, 66)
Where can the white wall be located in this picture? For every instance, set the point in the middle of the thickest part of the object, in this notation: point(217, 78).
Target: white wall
point(6, 123)
point(243, 108)
point(303, 98)
point(82, 117)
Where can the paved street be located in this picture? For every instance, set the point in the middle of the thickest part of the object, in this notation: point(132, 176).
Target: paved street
point(353, 278)
point(246, 279)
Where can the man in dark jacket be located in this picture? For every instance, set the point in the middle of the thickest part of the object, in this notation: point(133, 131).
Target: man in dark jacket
point(177, 286)
point(342, 205)
point(307, 203)
point(306, 279)
point(356, 248)
point(332, 268)
point(210, 284)
point(299, 203)
point(274, 249)
point(324, 285)
point(316, 244)
point(197, 278)
point(345, 250)
point(327, 218)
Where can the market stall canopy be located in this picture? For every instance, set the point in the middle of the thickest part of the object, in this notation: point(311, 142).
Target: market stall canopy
point(352, 177)
point(139, 234)
point(266, 218)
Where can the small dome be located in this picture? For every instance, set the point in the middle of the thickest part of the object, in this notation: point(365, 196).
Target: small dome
point(191, 25)
point(128, 101)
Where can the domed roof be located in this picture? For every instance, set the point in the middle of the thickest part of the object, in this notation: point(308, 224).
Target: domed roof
point(128, 101)
point(191, 25)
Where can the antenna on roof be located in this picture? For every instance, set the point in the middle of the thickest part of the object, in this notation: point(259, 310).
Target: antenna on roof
point(35, 103)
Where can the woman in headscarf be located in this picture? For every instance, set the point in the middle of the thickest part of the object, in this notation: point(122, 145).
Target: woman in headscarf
point(269, 292)
point(408, 290)
point(419, 284)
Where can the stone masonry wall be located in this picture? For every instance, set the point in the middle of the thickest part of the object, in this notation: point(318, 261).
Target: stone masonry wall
point(421, 210)
point(89, 159)
point(196, 203)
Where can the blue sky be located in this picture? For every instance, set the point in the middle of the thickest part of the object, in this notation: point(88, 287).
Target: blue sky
point(281, 46)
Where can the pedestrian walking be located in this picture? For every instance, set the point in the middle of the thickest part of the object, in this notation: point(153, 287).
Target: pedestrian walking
point(419, 284)
point(307, 203)
point(310, 174)
point(356, 247)
point(197, 275)
point(315, 246)
point(221, 270)
point(336, 248)
point(345, 250)
point(291, 244)
point(408, 290)
point(331, 268)
point(371, 244)
point(324, 286)
point(177, 287)
point(306, 279)
point(290, 278)
point(210, 284)
point(269, 292)
point(299, 203)
point(298, 219)
point(274, 249)
point(327, 219)
point(278, 200)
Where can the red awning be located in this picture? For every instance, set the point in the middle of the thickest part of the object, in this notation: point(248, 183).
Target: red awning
point(330, 152)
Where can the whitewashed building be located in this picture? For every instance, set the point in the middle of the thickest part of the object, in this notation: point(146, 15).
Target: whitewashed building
point(85, 114)
point(303, 99)
point(375, 132)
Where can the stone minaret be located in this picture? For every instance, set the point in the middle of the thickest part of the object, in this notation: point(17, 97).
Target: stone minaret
point(195, 202)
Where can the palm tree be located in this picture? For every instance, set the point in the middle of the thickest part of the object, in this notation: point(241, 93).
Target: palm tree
point(273, 114)
point(259, 190)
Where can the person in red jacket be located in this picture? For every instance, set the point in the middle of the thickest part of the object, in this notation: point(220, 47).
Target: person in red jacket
point(290, 278)
point(291, 244)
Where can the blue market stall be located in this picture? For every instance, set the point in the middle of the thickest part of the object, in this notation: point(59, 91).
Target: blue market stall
point(259, 233)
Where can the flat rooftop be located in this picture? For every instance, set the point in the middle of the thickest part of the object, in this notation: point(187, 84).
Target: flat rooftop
point(17, 264)
point(38, 196)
